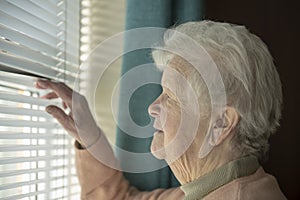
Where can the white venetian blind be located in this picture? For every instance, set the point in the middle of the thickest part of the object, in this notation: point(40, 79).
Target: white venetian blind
point(37, 38)
point(101, 19)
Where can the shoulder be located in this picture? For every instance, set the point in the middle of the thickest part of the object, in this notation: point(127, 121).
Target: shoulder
point(259, 186)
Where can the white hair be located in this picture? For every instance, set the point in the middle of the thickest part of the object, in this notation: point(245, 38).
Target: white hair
point(250, 78)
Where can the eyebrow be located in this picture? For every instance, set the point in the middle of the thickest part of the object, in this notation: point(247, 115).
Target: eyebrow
point(169, 92)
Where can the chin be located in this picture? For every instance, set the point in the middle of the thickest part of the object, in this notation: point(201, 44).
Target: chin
point(157, 146)
point(159, 154)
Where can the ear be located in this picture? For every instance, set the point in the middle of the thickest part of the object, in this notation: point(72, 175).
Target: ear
point(224, 126)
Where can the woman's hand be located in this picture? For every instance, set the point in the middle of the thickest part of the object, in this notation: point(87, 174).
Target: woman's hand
point(79, 123)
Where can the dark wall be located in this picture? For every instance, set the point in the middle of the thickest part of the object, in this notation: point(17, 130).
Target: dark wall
point(277, 23)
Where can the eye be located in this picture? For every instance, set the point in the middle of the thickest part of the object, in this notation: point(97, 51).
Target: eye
point(168, 99)
point(166, 96)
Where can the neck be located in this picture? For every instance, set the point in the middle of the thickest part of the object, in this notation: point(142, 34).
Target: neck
point(190, 167)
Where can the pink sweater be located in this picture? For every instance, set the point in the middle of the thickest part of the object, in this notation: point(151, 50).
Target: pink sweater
point(101, 182)
point(259, 186)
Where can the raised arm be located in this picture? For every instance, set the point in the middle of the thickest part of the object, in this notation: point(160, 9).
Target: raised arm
point(97, 180)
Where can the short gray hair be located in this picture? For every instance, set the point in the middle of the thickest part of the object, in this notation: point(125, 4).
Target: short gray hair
point(252, 84)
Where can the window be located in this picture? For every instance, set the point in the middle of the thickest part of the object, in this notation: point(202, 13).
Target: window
point(37, 38)
point(102, 19)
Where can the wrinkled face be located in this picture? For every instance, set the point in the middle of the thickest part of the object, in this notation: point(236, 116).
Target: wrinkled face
point(167, 113)
point(176, 116)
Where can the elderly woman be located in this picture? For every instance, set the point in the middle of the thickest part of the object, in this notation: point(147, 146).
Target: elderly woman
point(220, 103)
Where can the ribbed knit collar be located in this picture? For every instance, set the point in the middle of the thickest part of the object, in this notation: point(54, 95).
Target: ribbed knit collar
point(202, 186)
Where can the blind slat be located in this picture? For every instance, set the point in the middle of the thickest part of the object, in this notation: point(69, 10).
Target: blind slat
point(30, 18)
point(50, 6)
point(24, 123)
point(16, 24)
point(8, 148)
point(26, 40)
point(20, 196)
point(27, 171)
point(33, 170)
point(24, 111)
point(26, 159)
point(14, 197)
point(30, 42)
point(26, 99)
point(18, 184)
point(42, 9)
point(20, 172)
point(19, 63)
point(23, 51)
point(14, 136)
point(17, 81)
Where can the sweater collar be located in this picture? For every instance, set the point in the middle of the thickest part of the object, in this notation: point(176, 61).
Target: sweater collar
point(202, 186)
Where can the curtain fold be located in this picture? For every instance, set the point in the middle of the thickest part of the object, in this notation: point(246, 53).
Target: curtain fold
point(148, 13)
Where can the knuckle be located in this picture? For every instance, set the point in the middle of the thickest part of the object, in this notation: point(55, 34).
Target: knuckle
point(69, 127)
point(63, 85)
point(60, 83)
point(59, 115)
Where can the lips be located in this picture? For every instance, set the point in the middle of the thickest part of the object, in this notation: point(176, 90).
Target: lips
point(157, 125)
point(159, 131)
point(157, 128)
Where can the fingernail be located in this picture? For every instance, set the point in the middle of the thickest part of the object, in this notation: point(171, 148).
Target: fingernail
point(49, 110)
point(42, 84)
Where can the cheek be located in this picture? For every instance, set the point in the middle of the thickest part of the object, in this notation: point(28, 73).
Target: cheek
point(201, 133)
point(171, 126)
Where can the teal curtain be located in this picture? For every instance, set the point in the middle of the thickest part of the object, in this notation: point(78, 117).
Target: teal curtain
point(148, 13)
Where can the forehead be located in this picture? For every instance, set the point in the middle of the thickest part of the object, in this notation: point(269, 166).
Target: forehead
point(174, 80)
point(175, 83)
point(175, 72)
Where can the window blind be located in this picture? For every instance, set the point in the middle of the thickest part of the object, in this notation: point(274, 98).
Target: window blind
point(101, 19)
point(38, 38)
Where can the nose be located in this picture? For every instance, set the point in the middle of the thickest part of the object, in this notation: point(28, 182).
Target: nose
point(154, 108)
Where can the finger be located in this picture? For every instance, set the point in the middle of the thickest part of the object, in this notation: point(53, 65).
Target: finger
point(39, 84)
point(61, 89)
point(50, 95)
point(65, 120)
